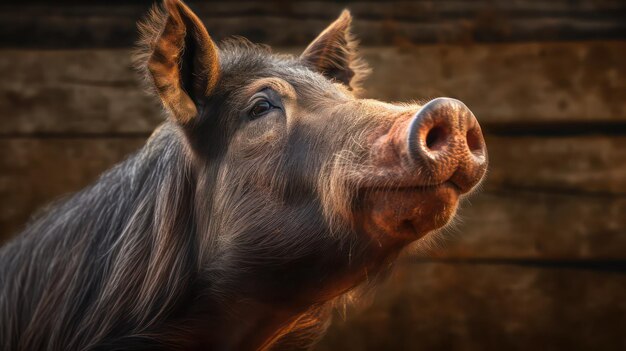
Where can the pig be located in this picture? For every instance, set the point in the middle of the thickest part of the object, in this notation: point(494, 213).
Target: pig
point(271, 190)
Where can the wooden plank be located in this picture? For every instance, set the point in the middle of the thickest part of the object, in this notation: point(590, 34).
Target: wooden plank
point(96, 91)
point(34, 172)
point(106, 25)
point(530, 225)
point(486, 307)
point(82, 92)
point(513, 83)
point(579, 164)
point(494, 224)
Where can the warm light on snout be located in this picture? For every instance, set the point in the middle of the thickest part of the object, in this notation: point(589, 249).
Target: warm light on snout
point(445, 138)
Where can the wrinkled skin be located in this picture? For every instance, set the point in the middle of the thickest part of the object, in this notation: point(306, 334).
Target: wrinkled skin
point(280, 190)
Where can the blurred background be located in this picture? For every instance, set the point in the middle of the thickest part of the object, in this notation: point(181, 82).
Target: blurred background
point(537, 261)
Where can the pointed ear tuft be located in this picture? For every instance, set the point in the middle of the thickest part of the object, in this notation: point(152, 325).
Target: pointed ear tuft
point(178, 59)
point(334, 54)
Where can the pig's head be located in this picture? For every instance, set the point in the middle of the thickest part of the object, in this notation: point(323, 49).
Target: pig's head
point(303, 189)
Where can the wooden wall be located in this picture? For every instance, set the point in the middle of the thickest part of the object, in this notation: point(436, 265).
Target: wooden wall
point(536, 260)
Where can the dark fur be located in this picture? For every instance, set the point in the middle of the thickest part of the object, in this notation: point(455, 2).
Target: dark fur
point(122, 265)
point(217, 234)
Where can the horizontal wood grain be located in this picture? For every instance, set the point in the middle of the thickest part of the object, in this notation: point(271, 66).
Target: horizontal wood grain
point(534, 225)
point(495, 223)
point(571, 164)
point(535, 260)
point(99, 24)
point(34, 172)
point(526, 83)
point(435, 306)
point(551, 84)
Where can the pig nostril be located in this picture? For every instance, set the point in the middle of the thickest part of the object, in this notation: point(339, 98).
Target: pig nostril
point(474, 141)
point(435, 138)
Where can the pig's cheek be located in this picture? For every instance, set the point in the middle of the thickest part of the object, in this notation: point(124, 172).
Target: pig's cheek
point(257, 141)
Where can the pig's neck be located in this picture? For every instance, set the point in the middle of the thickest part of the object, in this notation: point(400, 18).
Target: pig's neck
point(257, 326)
point(250, 324)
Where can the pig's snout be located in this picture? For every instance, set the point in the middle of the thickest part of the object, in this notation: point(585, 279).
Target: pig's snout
point(445, 142)
point(421, 162)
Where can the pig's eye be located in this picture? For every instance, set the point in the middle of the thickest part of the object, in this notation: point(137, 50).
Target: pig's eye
point(260, 109)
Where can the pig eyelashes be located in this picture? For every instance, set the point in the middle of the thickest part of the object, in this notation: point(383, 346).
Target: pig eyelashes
point(263, 103)
point(260, 108)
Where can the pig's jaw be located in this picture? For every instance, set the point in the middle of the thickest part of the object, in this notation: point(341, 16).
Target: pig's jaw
point(405, 214)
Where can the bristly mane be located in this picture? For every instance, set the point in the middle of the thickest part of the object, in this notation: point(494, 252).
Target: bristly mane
point(111, 266)
point(125, 245)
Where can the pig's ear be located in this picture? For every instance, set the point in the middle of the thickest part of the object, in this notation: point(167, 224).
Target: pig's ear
point(334, 54)
point(178, 59)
